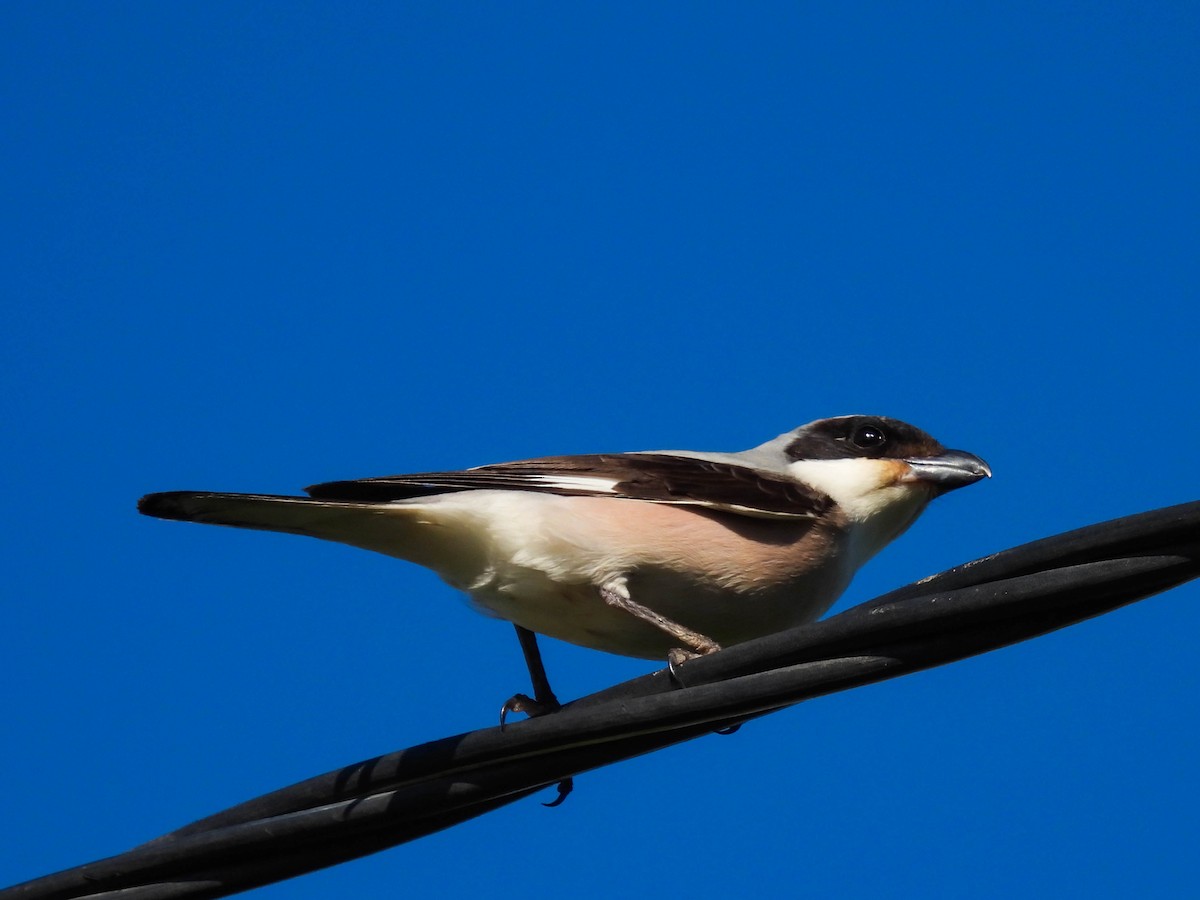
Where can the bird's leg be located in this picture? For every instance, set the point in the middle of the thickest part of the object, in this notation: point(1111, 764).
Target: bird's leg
point(542, 693)
point(694, 643)
point(543, 700)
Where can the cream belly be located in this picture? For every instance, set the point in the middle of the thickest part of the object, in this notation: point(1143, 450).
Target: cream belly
point(539, 560)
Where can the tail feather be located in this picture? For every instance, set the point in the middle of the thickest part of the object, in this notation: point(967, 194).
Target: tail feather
point(384, 528)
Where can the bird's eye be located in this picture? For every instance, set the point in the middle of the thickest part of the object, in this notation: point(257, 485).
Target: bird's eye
point(868, 437)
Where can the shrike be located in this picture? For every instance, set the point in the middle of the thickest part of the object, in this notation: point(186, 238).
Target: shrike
point(656, 554)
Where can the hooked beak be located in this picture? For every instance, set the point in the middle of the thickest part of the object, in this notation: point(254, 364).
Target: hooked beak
point(953, 469)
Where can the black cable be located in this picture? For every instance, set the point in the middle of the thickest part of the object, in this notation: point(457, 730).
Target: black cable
point(366, 807)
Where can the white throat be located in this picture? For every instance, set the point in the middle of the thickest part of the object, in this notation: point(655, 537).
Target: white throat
point(877, 504)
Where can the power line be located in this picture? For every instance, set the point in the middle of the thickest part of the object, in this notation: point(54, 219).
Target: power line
point(379, 803)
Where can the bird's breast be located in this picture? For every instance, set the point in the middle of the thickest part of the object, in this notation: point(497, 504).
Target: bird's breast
point(729, 577)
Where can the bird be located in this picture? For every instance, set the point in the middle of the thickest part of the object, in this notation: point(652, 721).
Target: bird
point(653, 554)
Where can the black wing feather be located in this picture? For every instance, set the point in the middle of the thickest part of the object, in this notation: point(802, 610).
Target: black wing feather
point(654, 477)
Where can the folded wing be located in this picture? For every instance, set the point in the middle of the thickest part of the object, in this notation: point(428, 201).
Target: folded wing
point(652, 477)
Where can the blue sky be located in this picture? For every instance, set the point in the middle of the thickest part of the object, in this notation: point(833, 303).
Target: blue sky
point(253, 246)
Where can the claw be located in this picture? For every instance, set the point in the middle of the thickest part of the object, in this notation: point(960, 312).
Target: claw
point(523, 703)
point(564, 788)
point(676, 658)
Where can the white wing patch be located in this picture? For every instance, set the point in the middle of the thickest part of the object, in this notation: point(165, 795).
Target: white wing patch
point(578, 482)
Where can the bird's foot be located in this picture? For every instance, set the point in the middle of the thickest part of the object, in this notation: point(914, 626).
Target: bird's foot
point(679, 655)
point(523, 703)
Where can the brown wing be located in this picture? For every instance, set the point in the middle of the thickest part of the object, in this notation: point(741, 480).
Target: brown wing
point(652, 477)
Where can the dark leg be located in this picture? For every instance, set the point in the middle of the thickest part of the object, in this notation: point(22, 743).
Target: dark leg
point(543, 700)
point(537, 671)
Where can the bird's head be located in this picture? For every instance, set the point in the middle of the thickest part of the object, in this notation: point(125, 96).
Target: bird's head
point(881, 472)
